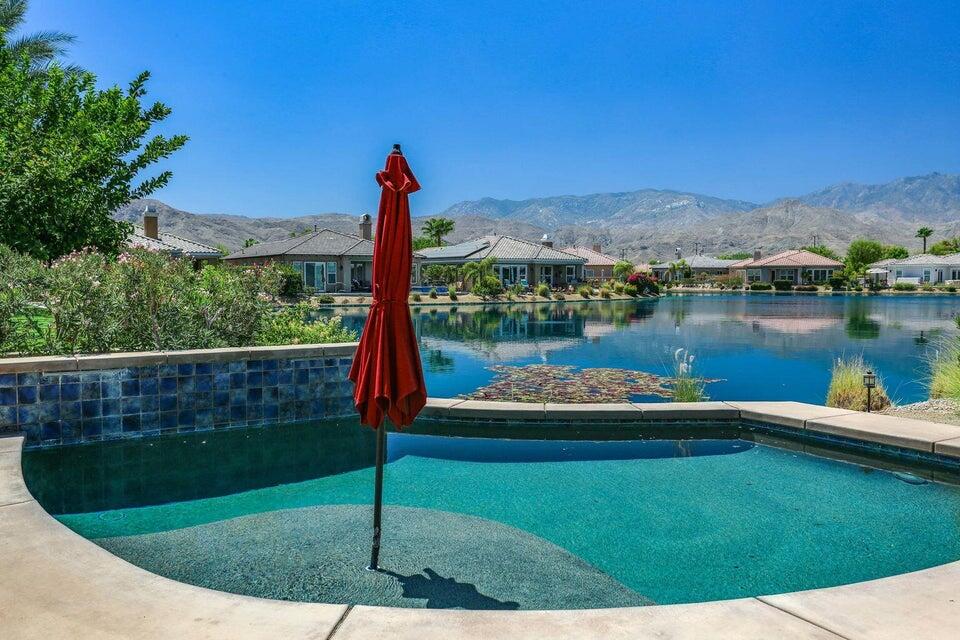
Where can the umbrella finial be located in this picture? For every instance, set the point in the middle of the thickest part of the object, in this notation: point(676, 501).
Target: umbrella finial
point(396, 149)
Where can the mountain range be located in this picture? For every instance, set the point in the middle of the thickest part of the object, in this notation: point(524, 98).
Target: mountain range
point(647, 223)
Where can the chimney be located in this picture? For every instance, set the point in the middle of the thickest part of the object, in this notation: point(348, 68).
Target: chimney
point(151, 228)
point(678, 253)
point(546, 241)
point(756, 254)
point(366, 231)
point(596, 247)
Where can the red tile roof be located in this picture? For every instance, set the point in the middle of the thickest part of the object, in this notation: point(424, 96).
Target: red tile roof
point(593, 258)
point(793, 258)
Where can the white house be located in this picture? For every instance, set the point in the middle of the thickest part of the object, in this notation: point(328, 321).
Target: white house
point(922, 269)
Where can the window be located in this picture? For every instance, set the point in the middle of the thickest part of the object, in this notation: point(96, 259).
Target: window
point(588, 273)
point(926, 275)
point(955, 274)
point(822, 275)
point(546, 274)
point(571, 273)
point(331, 273)
point(753, 275)
point(899, 273)
point(310, 272)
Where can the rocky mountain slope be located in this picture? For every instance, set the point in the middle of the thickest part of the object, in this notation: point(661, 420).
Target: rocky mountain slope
point(648, 223)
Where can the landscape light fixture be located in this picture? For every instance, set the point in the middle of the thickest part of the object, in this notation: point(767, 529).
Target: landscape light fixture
point(869, 381)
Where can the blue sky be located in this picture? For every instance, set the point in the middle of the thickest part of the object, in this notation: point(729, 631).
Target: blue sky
point(291, 106)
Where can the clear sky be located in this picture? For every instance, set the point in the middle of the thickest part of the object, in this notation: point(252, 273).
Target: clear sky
point(292, 105)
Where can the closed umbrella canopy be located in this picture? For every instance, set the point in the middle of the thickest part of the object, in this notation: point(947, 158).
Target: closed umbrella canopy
point(386, 371)
point(386, 368)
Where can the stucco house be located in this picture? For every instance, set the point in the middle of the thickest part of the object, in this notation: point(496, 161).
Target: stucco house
point(696, 266)
point(330, 261)
point(797, 266)
point(924, 268)
point(517, 261)
point(599, 266)
point(149, 236)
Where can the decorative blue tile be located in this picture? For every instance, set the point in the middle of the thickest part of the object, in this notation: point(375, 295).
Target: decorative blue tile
point(50, 393)
point(50, 430)
point(254, 365)
point(130, 406)
point(270, 378)
point(285, 377)
point(90, 390)
point(71, 410)
point(92, 428)
point(90, 376)
point(8, 417)
point(149, 403)
point(238, 396)
point(8, 396)
point(69, 391)
point(150, 421)
point(186, 384)
point(112, 425)
point(238, 412)
point(27, 414)
point(26, 395)
point(168, 403)
point(28, 379)
point(91, 409)
point(48, 411)
point(254, 412)
point(167, 385)
point(185, 370)
point(254, 395)
point(203, 382)
point(301, 376)
point(271, 411)
point(8, 379)
point(109, 388)
point(268, 365)
point(221, 398)
point(237, 366)
point(130, 388)
point(148, 371)
point(186, 418)
point(131, 423)
point(204, 418)
point(254, 379)
point(167, 371)
point(110, 407)
point(221, 381)
point(149, 386)
point(168, 420)
point(203, 368)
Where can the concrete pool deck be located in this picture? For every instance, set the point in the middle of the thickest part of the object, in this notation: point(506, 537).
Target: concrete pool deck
point(56, 584)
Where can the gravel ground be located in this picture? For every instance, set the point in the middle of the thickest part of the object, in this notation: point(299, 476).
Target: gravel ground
point(940, 410)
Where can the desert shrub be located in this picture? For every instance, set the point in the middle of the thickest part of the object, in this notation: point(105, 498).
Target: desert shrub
point(904, 286)
point(950, 288)
point(618, 288)
point(846, 387)
point(433, 293)
point(543, 290)
point(783, 285)
point(686, 386)
point(487, 286)
point(415, 297)
point(927, 287)
point(605, 293)
point(291, 325)
point(728, 282)
point(630, 290)
point(324, 298)
point(837, 283)
point(805, 287)
point(452, 292)
point(644, 284)
point(760, 286)
point(559, 296)
point(585, 291)
point(291, 281)
point(517, 290)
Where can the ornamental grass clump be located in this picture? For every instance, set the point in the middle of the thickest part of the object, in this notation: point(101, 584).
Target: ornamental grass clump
point(585, 291)
point(543, 290)
point(686, 386)
point(846, 387)
point(945, 369)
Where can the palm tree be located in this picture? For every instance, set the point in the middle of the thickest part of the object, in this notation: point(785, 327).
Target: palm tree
point(622, 270)
point(436, 228)
point(41, 48)
point(924, 232)
point(475, 272)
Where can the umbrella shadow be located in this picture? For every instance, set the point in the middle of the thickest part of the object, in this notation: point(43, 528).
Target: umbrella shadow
point(446, 593)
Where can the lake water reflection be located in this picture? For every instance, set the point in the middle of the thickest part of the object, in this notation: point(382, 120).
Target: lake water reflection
point(760, 346)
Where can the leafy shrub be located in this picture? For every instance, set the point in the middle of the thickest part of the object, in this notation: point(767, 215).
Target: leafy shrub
point(760, 286)
point(585, 291)
point(686, 386)
point(618, 288)
point(783, 285)
point(414, 297)
point(728, 282)
point(559, 296)
point(951, 288)
point(440, 274)
point(846, 387)
point(543, 290)
point(605, 293)
point(325, 298)
point(433, 293)
point(927, 287)
point(291, 281)
point(452, 293)
point(904, 286)
point(837, 283)
point(290, 325)
point(858, 288)
point(645, 284)
point(630, 290)
point(487, 286)
point(516, 290)
point(805, 287)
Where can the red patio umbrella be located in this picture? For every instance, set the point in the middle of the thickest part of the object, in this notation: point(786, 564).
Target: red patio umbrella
point(386, 371)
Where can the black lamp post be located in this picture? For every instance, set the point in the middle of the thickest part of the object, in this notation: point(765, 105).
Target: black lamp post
point(869, 381)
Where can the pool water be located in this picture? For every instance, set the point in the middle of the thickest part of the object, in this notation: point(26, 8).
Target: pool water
point(284, 512)
point(758, 346)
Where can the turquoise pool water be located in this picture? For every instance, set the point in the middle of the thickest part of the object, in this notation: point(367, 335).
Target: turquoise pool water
point(487, 523)
point(759, 346)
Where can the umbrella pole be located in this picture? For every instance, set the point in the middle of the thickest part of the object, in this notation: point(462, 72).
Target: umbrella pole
point(378, 497)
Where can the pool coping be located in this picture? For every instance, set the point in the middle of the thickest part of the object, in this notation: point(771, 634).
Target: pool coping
point(55, 583)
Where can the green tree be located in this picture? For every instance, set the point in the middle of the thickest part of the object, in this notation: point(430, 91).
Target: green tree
point(823, 250)
point(944, 247)
point(249, 242)
point(894, 252)
point(476, 271)
point(737, 255)
point(41, 48)
point(862, 252)
point(924, 233)
point(423, 242)
point(69, 153)
point(622, 270)
point(436, 228)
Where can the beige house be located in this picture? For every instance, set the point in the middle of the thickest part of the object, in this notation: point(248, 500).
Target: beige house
point(599, 266)
point(796, 266)
point(517, 261)
point(330, 261)
point(149, 236)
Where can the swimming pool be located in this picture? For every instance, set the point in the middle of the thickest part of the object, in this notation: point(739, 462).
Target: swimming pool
point(498, 523)
point(757, 346)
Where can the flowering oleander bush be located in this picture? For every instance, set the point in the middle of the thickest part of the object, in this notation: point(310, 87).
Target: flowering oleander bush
point(85, 302)
point(645, 284)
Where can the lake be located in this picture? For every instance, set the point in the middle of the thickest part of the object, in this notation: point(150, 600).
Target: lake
point(755, 346)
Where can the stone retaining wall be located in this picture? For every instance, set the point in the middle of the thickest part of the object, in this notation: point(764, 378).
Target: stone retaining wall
point(71, 399)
